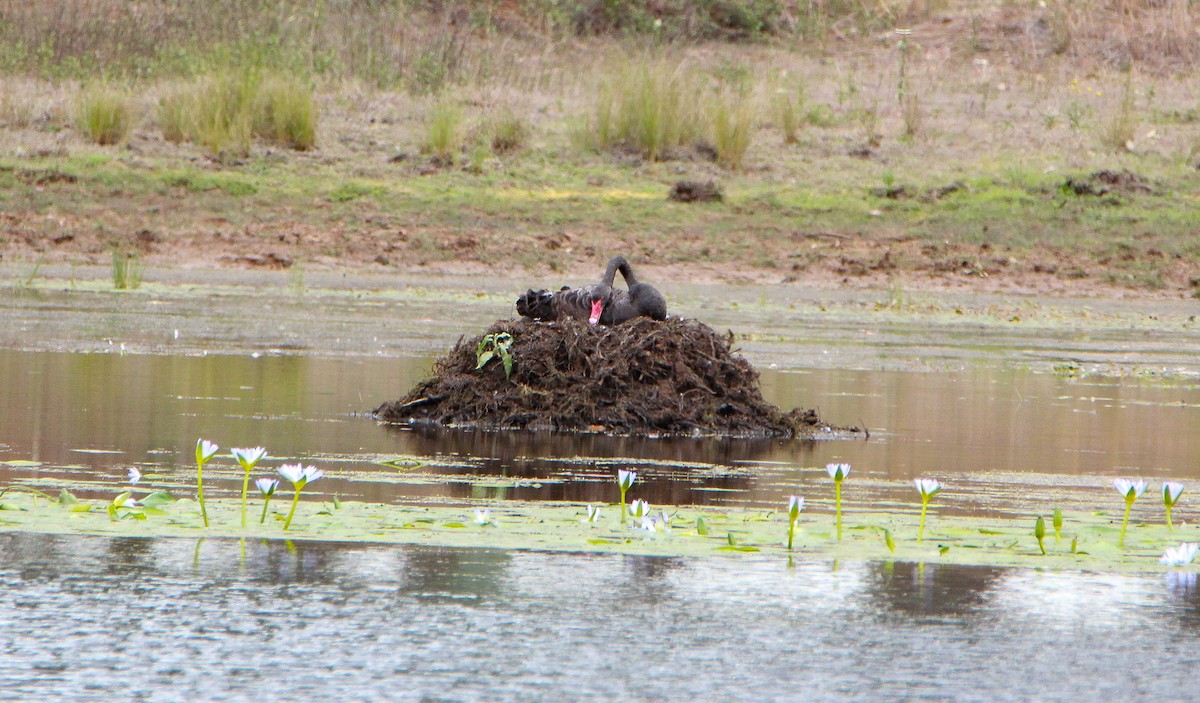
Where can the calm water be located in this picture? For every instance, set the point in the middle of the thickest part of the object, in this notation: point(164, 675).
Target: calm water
point(986, 429)
point(94, 383)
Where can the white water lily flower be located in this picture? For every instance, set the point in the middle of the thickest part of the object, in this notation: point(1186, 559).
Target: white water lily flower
point(593, 514)
point(266, 486)
point(483, 516)
point(292, 472)
point(795, 505)
point(662, 523)
point(625, 478)
point(647, 524)
point(838, 472)
point(1129, 488)
point(248, 458)
point(134, 475)
point(928, 487)
point(1181, 555)
point(639, 508)
point(205, 450)
point(299, 476)
point(1171, 493)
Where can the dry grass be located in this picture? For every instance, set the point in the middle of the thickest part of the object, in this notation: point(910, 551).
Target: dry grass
point(17, 110)
point(1118, 131)
point(1156, 34)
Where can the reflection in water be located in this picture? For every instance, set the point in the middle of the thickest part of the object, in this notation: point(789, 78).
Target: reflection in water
point(455, 573)
point(912, 589)
point(354, 622)
point(149, 410)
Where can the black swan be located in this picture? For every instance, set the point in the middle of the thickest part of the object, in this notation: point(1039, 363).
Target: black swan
point(598, 303)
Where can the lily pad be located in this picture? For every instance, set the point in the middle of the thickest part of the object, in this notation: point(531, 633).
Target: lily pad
point(550, 526)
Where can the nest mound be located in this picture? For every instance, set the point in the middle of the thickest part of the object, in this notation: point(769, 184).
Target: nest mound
point(639, 378)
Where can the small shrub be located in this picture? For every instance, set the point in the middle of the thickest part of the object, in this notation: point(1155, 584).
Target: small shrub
point(104, 114)
point(443, 133)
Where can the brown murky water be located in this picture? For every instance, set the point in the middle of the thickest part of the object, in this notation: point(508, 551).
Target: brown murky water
point(95, 382)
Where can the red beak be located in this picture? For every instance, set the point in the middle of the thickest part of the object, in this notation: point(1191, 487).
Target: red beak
point(597, 308)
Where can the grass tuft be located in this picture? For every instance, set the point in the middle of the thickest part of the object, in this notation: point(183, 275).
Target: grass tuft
point(16, 112)
point(444, 133)
point(126, 269)
point(647, 107)
point(223, 112)
point(914, 116)
point(285, 113)
point(1118, 132)
point(104, 114)
point(733, 118)
point(789, 113)
point(509, 133)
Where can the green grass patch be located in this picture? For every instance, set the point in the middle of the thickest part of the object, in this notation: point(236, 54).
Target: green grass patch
point(353, 190)
point(199, 182)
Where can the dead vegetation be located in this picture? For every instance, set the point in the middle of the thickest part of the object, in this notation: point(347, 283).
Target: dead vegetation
point(640, 378)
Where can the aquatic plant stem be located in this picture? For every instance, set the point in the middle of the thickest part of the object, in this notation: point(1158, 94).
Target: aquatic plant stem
point(791, 533)
point(1169, 525)
point(245, 490)
point(204, 452)
point(921, 527)
point(1125, 522)
point(200, 492)
point(623, 505)
point(266, 502)
point(295, 501)
point(837, 497)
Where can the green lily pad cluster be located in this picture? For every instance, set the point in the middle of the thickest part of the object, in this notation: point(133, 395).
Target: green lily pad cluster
point(1091, 539)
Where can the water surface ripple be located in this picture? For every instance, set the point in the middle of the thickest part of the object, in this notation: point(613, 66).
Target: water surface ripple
point(170, 620)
